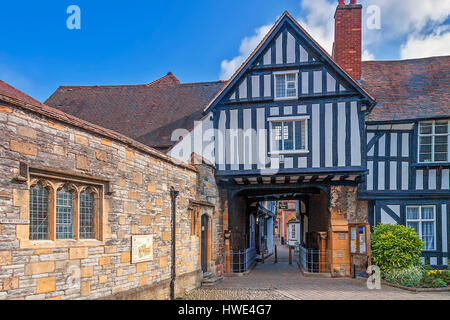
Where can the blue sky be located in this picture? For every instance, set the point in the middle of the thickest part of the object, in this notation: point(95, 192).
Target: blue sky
point(135, 42)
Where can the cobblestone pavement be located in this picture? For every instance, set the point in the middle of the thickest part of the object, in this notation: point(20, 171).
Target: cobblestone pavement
point(283, 279)
point(234, 294)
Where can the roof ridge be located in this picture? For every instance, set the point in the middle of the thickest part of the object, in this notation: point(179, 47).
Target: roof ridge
point(411, 59)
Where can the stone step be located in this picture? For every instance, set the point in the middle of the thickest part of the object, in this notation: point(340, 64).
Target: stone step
point(211, 281)
point(207, 275)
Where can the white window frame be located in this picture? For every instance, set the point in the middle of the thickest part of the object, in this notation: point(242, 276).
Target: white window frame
point(288, 119)
point(285, 73)
point(420, 220)
point(433, 135)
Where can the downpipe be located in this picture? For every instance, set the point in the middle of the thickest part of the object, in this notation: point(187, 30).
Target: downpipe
point(173, 196)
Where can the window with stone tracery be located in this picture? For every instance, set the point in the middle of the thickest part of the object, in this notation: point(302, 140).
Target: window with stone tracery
point(62, 210)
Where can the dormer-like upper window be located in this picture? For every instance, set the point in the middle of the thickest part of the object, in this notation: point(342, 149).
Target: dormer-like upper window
point(434, 139)
point(286, 85)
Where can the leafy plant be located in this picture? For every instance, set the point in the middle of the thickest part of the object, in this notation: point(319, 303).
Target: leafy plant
point(436, 278)
point(409, 277)
point(395, 247)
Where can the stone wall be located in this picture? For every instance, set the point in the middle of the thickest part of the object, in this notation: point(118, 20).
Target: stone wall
point(137, 202)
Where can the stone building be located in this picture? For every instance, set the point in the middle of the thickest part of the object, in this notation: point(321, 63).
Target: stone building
point(73, 195)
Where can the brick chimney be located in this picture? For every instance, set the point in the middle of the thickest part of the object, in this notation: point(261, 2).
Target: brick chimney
point(347, 37)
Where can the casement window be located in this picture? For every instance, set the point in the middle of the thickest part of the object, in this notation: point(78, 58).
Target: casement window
point(39, 212)
point(286, 85)
point(64, 210)
point(423, 220)
point(289, 135)
point(434, 137)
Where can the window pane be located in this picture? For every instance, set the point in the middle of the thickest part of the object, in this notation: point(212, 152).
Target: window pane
point(427, 213)
point(64, 214)
point(280, 86)
point(288, 135)
point(426, 128)
point(441, 127)
point(412, 213)
point(440, 157)
point(291, 77)
point(428, 235)
point(414, 225)
point(277, 142)
point(87, 216)
point(300, 135)
point(39, 213)
point(425, 140)
point(425, 157)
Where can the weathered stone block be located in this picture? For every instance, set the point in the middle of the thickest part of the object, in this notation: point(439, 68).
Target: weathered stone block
point(137, 178)
point(125, 257)
point(87, 272)
point(44, 285)
point(23, 147)
point(151, 187)
point(85, 288)
point(82, 163)
point(39, 267)
point(141, 267)
point(78, 253)
point(26, 132)
point(101, 155)
point(81, 140)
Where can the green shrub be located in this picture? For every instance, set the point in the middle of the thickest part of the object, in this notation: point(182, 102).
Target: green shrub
point(435, 283)
point(395, 246)
point(409, 277)
point(436, 278)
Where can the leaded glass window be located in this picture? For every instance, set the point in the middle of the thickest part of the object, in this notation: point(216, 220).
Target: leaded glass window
point(434, 139)
point(87, 214)
point(39, 200)
point(422, 220)
point(64, 214)
point(288, 135)
point(286, 85)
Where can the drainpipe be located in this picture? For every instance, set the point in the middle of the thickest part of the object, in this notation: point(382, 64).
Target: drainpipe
point(173, 196)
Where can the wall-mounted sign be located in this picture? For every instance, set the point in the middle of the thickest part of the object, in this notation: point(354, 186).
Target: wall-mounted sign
point(14, 221)
point(283, 205)
point(141, 248)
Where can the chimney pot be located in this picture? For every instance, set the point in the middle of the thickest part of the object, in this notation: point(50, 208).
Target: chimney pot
point(353, 1)
point(342, 2)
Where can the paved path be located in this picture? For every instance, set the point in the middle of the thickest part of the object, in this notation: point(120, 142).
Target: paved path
point(287, 280)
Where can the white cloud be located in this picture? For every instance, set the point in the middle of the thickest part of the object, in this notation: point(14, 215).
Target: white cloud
point(248, 44)
point(367, 55)
point(416, 24)
point(319, 21)
point(420, 46)
point(405, 16)
point(411, 22)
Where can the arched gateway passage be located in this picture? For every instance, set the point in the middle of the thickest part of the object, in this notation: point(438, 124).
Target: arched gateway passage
point(327, 214)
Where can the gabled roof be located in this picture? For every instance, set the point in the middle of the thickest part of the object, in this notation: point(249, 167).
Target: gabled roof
point(10, 91)
point(286, 17)
point(408, 89)
point(15, 97)
point(148, 113)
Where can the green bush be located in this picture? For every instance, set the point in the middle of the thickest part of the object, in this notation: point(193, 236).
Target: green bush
point(436, 278)
point(409, 277)
point(395, 247)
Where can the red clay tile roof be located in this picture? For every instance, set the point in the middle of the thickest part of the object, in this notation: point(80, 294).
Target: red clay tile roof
point(408, 89)
point(10, 91)
point(147, 113)
point(12, 96)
